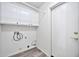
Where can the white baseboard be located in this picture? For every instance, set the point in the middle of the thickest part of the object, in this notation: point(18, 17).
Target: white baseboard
point(43, 51)
point(20, 51)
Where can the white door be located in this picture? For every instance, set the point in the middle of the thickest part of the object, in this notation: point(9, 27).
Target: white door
point(65, 30)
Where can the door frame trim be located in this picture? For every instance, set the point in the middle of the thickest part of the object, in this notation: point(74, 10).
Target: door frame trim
point(57, 5)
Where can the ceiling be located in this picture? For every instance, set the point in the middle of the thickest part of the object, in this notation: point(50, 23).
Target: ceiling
point(36, 4)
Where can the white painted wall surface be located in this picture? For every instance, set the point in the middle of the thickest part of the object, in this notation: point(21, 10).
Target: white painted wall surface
point(0, 28)
point(0, 16)
point(0, 41)
point(9, 46)
point(44, 31)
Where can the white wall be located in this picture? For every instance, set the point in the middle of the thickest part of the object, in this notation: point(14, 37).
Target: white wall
point(9, 46)
point(0, 39)
point(0, 28)
point(44, 31)
point(0, 43)
point(0, 17)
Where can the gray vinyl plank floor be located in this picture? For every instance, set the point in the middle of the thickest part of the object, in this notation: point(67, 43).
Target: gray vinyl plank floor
point(35, 52)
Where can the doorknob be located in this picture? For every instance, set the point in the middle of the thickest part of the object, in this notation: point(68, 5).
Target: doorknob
point(75, 36)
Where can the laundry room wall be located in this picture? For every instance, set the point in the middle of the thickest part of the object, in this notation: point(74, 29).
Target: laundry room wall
point(44, 31)
point(0, 28)
point(11, 47)
point(0, 39)
point(8, 46)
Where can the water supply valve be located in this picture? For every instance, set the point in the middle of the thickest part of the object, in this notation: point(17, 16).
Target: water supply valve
point(17, 36)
